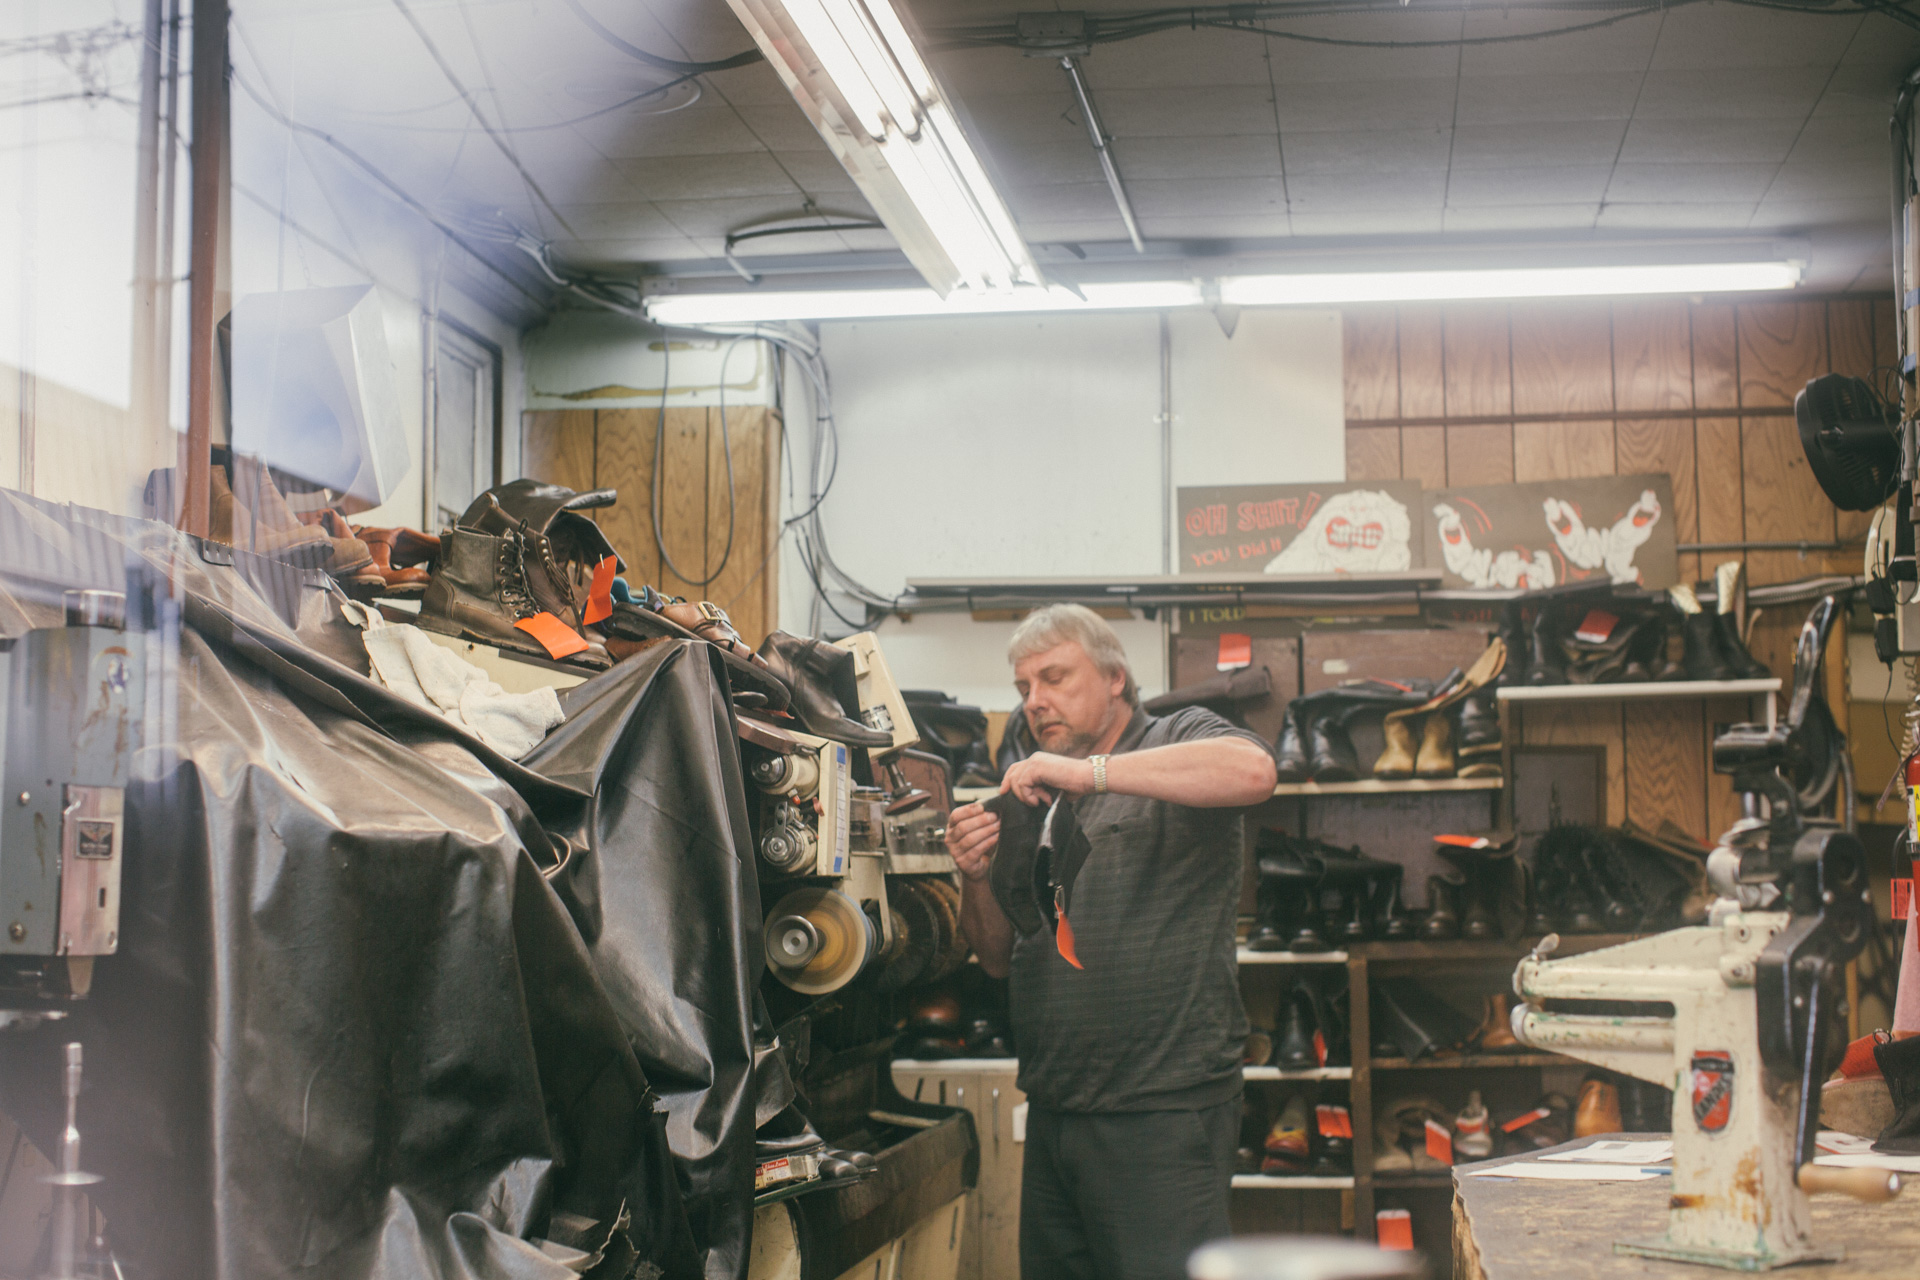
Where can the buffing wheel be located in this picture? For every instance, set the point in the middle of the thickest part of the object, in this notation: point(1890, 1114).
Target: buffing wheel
point(844, 940)
point(916, 933)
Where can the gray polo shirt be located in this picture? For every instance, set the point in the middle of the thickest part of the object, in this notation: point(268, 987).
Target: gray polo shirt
point(1154, 1021)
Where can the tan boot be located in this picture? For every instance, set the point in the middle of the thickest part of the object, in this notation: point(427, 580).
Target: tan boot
point(1436, 747)
point(1598, 1110)
point(1398, 759)
point(277, 531)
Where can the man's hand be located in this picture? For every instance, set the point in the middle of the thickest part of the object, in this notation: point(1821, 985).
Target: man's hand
point(1042, 776)
point(972, 836)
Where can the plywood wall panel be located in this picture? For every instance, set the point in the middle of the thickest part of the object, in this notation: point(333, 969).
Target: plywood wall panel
point(1373, 453)
point(1652, 354)
point(1716, 356)
point(1723, 805)
point(557, 447)
point(1562, 357)
point(1782, 344)
point(1372, 363)
point(1479, 455)
point(625, 462)
point(1584, 724)
point(1665, 445)
point(1851, 339)
point(1479, 360)
point(1423, 380)
point(1423, 456)
point(683, 504)
point(734, 586)
point(1561, 450)
point(1718, 465)
point(1666, 771)
point(1783, 500)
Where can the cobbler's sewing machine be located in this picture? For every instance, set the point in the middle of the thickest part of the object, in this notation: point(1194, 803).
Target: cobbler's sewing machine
point(1734, 1016)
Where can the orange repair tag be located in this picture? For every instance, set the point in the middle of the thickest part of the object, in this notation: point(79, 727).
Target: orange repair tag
point(600, 594)
point(555, 636)
point(1524, 1119)
point(1439, 1142)
point(1236, 651)
point(1334, 1120)
point(1902, 897)
point(1063, 938)
point(1394, 1227)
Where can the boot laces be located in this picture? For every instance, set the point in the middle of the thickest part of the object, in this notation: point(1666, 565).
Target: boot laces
point(513, 578)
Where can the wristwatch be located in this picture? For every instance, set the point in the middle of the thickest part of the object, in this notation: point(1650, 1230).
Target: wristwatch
point(1099, 764)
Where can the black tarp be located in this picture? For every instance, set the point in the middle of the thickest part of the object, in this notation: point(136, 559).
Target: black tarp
point(352, 1030)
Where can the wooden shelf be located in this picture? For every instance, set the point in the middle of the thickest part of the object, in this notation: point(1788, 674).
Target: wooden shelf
point(1434, 1179)
point(1388, 786)
point(1665, 689)
point(1245, 956)
point(1476, 1061)
point(951, 1065)
point(1312, 1073)
point(1463, 949)
point(1281, 1182)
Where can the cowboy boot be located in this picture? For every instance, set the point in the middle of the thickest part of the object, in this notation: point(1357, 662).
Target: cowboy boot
point(1269, 901)
point(1442, 922)
point(1664, 666)
point(1729, 592)
point(1513, 633)
point(1330, 751)
point(1390, 920)
point(1436, 747)
point(1899, 1062)
point(1397, 761)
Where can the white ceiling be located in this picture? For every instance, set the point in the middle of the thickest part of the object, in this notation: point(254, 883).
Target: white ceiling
point(1708, 118)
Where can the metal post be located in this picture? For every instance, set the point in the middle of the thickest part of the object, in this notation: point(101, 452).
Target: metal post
point(146, 216)
point(210, 104)
point(1101, 148)
point(1166, 445)
point(163, 284)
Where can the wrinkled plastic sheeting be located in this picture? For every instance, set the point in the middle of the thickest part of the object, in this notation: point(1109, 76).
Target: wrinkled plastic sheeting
point(352, 1030)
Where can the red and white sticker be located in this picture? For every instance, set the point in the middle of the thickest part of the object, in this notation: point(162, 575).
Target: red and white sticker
point(1394, 1229)
point(1524, 1119)
point(1902, 897)
point(1712, 1091)
point(1439, 1142)
point(1333, 1120)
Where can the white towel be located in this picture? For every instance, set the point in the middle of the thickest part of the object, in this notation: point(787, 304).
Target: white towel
point(437, 678)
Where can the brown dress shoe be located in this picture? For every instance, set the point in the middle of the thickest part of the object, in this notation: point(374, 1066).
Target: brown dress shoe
point(398, 581)
point(405, 547)
point(1598, 1110)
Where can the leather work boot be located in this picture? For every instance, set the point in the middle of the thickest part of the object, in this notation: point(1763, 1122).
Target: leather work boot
point(1441, 923)
point(1899, 1062)
point(1730, 593)
point(1293, 1036)
point(824, 693)
point(1330, 754)
point(1703, 658)
point(1546, 664)
point(1598, 1110)
point(548, 582)
point(1436, 747)
point(1479, 731)
point(399, 580)
point(480, 592)
point(1397, 761)
point(1291, 750)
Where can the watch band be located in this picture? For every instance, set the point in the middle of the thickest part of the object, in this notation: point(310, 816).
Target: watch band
point(1099, 764)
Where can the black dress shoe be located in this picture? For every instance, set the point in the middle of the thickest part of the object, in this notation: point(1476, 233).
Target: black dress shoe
point(1290, 754)
point(1293, 1038)
point(825, 697)
point(1442, 922)
point(1330, 1142)
point(1330, 751)
point(1546, 664)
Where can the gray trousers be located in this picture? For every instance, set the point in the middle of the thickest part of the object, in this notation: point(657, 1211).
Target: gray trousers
point(1124, 1195)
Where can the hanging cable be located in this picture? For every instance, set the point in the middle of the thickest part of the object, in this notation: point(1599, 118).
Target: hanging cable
point(659, 463)
point(654, 60)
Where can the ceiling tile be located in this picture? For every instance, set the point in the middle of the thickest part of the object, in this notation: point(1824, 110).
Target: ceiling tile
point(1712, 37)
point(1521, 217)
point(1665, 141)
point(1549, 142)
point(1198, 111)
point(1537, 184)
point(1255, 155)
point(592, 254)
point(631, 220)
point(1071, 230)
point(756, 83)
point(1366, 104)
point(1380, 222)
point(1859, 139)
point(1021, 119)
point(816, 172)
point(1797, 215)
point(1342, 152)
point(1624, 46)
point(1228, 197)
point(1826, 180)
point(1240, 227)
point(713, 218)
point(1675, 217)
point(1741, 94)
point(1044, 162)
point(704, 178)
point(1529, 98)
point(1060, 202)
point(1175, 59)
point(781, 126)
point(1328, 192)
point(1306, 61)
point(698, 130)
point(1662, 183)
point(972, 73)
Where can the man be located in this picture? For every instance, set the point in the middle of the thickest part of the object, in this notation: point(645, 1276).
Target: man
point(1130, 1062)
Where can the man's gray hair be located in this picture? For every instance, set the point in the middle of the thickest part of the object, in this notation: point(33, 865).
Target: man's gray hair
point(1055, 624)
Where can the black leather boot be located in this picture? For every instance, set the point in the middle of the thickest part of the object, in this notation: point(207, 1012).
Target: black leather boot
point(1330, 753)
point(1899, 1063)
point(1546, 664)
point(1660, 659)
point(1330, 1141)
point(1269, 902)
point(1442, 921)
point(1291, 751)
point(1479, 921)
point(1729, 595)
point(1513, 631)
point(1390, 920)
point(1293, 1037)
point(824, 693)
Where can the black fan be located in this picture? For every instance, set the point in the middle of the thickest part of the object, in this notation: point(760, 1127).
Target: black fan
point(1849, 437)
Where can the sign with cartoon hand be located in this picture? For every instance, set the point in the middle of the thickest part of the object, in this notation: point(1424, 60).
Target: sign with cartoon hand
point(1549, 532)
point(1362, 527)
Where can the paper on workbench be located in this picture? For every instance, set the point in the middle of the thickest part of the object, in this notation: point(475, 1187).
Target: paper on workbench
point(1567, 1172)
point(1615, 1151)
point(1872, 1160)
point(1834, 1143)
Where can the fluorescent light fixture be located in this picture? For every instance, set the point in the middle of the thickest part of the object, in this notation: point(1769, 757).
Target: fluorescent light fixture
point(1505, 282)
point(745, 307)
point(854, 70)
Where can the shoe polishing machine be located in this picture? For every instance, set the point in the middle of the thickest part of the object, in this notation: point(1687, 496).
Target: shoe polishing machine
point(1734, 1017)
point(72, 715)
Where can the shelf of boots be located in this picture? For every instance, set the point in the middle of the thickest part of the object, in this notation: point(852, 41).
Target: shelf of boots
point(1311, 1073)
point(1288, 1182)
point(1475, 1061)
point(1388, 786)
point(1666, 689)
point(1245, 956)
point(1468, 950)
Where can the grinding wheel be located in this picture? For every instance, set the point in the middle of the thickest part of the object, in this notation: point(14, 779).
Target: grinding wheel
point(916, 932)
point(952, 951)
point(818, 940)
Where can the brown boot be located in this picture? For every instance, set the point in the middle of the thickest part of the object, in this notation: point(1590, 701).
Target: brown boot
point(405, 547)
point(397, 581)
point(1397, 761)
point(1598, 1110)
point(275, 530)
point(1436, 747)
point(1496, 1028)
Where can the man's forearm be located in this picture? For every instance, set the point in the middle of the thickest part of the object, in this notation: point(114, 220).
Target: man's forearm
point(988, 930)
point(1214, 773)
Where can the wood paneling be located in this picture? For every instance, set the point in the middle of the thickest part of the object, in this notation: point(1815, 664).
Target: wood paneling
point(1652, 355)
point(1479, 455)
point(1423, 382)
point(1850, 339)
point(1562, 358)
point(1423, 456)
point(557, 447)
point(1783, 501)
point(1479, 362)
point(1644, 448)
point(1372, 363)
point(1666, 770)
point(624, 461)
point(1561, 450)
point(1716, 357)
point(1782, 344)
point(1722, 504)
point(1373, 453)
point(1592, 724)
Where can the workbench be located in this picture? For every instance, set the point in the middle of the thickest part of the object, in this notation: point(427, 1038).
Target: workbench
point(1518, 1229)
